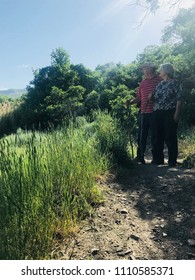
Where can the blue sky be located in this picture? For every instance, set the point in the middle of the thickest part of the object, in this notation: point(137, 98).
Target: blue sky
point(92, 31)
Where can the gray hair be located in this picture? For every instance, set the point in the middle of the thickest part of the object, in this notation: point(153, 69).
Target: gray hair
point(168, 69)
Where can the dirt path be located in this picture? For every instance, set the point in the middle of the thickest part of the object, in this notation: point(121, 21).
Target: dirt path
point(148, 213)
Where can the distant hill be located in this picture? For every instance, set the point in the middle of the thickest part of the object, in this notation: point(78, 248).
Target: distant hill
point(12, 93)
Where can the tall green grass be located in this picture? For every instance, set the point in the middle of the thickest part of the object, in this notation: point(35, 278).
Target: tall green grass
point(187, 147)
point(113, 139)
point(48, 182)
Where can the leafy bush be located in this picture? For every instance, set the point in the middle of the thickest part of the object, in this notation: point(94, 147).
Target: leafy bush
point(187, 145)
point(189, 161)
point(112, 138)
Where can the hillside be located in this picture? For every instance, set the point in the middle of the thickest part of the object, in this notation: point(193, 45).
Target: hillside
point(12, 93)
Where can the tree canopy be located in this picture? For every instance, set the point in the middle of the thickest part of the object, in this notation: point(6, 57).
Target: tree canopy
point(63, 89)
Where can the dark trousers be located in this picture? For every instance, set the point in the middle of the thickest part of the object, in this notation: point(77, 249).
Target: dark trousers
point(147, 123)
point(165, 129)
point(138, 136)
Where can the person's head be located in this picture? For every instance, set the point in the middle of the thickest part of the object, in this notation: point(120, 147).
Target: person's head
point(148, 69)
point(166, 71)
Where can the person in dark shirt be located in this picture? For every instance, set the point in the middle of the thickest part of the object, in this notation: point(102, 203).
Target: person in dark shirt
point(167, 99)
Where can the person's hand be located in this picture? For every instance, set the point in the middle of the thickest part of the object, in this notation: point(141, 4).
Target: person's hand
point(128, 102)
point(176, 117)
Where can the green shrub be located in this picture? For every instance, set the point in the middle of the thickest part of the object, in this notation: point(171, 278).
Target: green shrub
point(189, 161)
point(113, 139)
point(187, 147)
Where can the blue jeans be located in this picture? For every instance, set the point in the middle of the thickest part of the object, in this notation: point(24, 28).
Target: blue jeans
point(138, 136)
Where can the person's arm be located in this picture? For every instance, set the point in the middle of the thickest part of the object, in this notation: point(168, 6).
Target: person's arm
point(134, 101)
point(177, 111)
point(151, 96)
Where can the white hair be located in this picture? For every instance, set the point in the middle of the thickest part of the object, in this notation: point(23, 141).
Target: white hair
point(168, 69)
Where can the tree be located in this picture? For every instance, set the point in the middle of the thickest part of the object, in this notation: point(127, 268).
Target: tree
point(85, 77)
point(92, 102)
point(47, 86)
point(152, 6)
point(180, 35)
point(60, 57)
point(156, 54)
point(112, 75)
point(63, 104)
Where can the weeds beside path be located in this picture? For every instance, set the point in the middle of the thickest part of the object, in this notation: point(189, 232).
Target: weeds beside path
point(148, 213)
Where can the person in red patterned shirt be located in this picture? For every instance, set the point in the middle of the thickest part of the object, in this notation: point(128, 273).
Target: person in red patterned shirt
point(145, 90)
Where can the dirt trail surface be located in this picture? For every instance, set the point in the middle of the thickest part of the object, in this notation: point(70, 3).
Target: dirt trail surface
point(148, 213)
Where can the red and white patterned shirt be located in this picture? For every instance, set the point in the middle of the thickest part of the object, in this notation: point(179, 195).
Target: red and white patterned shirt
point(146, 87)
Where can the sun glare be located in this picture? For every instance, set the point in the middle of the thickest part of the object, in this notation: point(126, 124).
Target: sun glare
point(113, 9)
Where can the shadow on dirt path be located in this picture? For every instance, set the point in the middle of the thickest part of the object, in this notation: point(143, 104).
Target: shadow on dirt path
point(148, 213)
point(165, 197)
